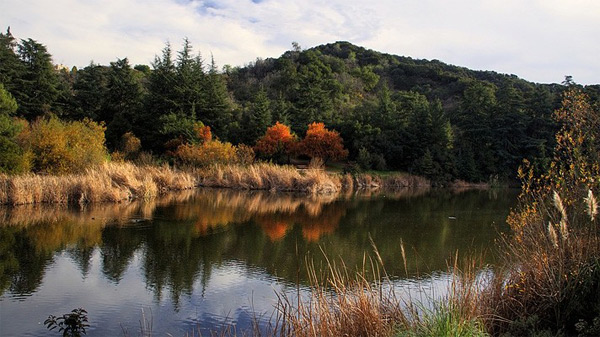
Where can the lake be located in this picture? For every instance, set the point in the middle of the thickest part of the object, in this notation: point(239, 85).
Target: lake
point(202, 259)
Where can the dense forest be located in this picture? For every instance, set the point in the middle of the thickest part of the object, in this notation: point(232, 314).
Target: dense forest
point(393, 113)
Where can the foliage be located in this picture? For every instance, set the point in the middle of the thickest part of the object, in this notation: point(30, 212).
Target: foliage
point(37, 86)
point(8, 104)
point(72, 324)
point(245, 154)
point(322, 143)
point(277, 142)
point(129, 147)
point(213, 152)
point(63, 147)
point(419, 116)
point(203, 133)
point(554, 252)
point(122, 103)
point(13, 159)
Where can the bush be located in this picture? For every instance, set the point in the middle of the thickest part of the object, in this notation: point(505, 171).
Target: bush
point(212, 152)
point(130, 145)
point(13, 159)
point(59, 147)
point(245, 154)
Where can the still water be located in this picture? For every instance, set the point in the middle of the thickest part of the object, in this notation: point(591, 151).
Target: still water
point(198, 260)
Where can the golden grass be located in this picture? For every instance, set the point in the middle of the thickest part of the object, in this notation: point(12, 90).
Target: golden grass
point(109, 182)
point(552, 272)
point(264, 176)
point(364, 303)
point(394, 181)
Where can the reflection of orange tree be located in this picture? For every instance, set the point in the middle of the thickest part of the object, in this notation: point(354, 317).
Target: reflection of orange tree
point(313, 227)
point(213, 208)
point(273, 212)
point(274, 228)
point(315, 221)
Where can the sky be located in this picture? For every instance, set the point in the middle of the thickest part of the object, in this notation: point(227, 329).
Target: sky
point(538, 40)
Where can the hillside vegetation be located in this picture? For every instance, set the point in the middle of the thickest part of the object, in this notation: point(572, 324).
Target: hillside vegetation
point(392, 112)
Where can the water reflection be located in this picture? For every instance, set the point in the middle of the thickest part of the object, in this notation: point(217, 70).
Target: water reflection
point(175, 245)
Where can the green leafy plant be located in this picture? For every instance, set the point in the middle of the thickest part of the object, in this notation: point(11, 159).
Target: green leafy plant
point(72, 324)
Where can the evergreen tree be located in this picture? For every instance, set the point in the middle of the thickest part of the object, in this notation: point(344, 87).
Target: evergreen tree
point(190, 78)
point(474, 136)
point(90, 89)
point(11, 68)
point(161, 101)
point(36, 89)
point(216, 112)
point(258, 118)
point(12, 159)
point(122, 103)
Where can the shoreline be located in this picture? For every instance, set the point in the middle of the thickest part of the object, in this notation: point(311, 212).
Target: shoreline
point(117, 182)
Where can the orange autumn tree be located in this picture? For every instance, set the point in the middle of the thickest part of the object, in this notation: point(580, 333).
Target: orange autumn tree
point(322, 143)
point(278, 142)
point(202, 132)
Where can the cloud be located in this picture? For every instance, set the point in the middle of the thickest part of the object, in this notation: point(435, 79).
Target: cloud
point(539, 40)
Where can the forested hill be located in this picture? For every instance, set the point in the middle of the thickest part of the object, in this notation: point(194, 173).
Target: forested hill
point(393, 112)
point(396, 112)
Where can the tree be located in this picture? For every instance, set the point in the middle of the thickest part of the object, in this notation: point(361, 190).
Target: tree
point(190, 78)
point(8, 104)
point(12, 157)
point(322, 143)
point(122, 103)
point(11, 67)
point(90, 90)
point(36, 89)
point(474, 138)
point(258, 118)
point(216, 111)
point(278, 142)
point(160, 103)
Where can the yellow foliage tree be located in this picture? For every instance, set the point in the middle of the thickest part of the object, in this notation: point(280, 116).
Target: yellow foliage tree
point(58, 147)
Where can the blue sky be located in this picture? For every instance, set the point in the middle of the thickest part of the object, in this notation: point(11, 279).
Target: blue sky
point(539, 40)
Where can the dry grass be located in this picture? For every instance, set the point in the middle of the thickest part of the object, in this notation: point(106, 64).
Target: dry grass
point(265, 176)
point(364, 303)
point(394, 181)
point(552, 275)
point(110, 182)
point(342, 305)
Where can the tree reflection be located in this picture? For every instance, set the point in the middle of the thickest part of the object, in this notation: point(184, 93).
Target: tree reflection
point(182, 239)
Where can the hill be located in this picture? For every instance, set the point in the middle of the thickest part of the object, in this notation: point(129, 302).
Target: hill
point(393, 112)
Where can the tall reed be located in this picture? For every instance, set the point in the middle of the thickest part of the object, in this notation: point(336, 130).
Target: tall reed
point(109, 182)
point(365, 303)
point(265, 176)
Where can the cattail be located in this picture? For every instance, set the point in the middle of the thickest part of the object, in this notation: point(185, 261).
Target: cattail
point(559, 205)
point(591, 205)
point(552, 234)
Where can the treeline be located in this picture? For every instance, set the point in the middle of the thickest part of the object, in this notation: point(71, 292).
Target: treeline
point(392, 112)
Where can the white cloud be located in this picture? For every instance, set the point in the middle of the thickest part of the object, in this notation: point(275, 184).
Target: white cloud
point(539, 40)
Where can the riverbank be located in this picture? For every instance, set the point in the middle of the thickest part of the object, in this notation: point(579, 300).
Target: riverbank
point(124, 181)
point(266, 176)
point(109, 182)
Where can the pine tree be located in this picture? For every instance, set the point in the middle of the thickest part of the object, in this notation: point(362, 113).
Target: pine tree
point(11, 68)
point(216, 111)
point(122, 103)
point(36, 89)
point(258, 117)
point(90, 87)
